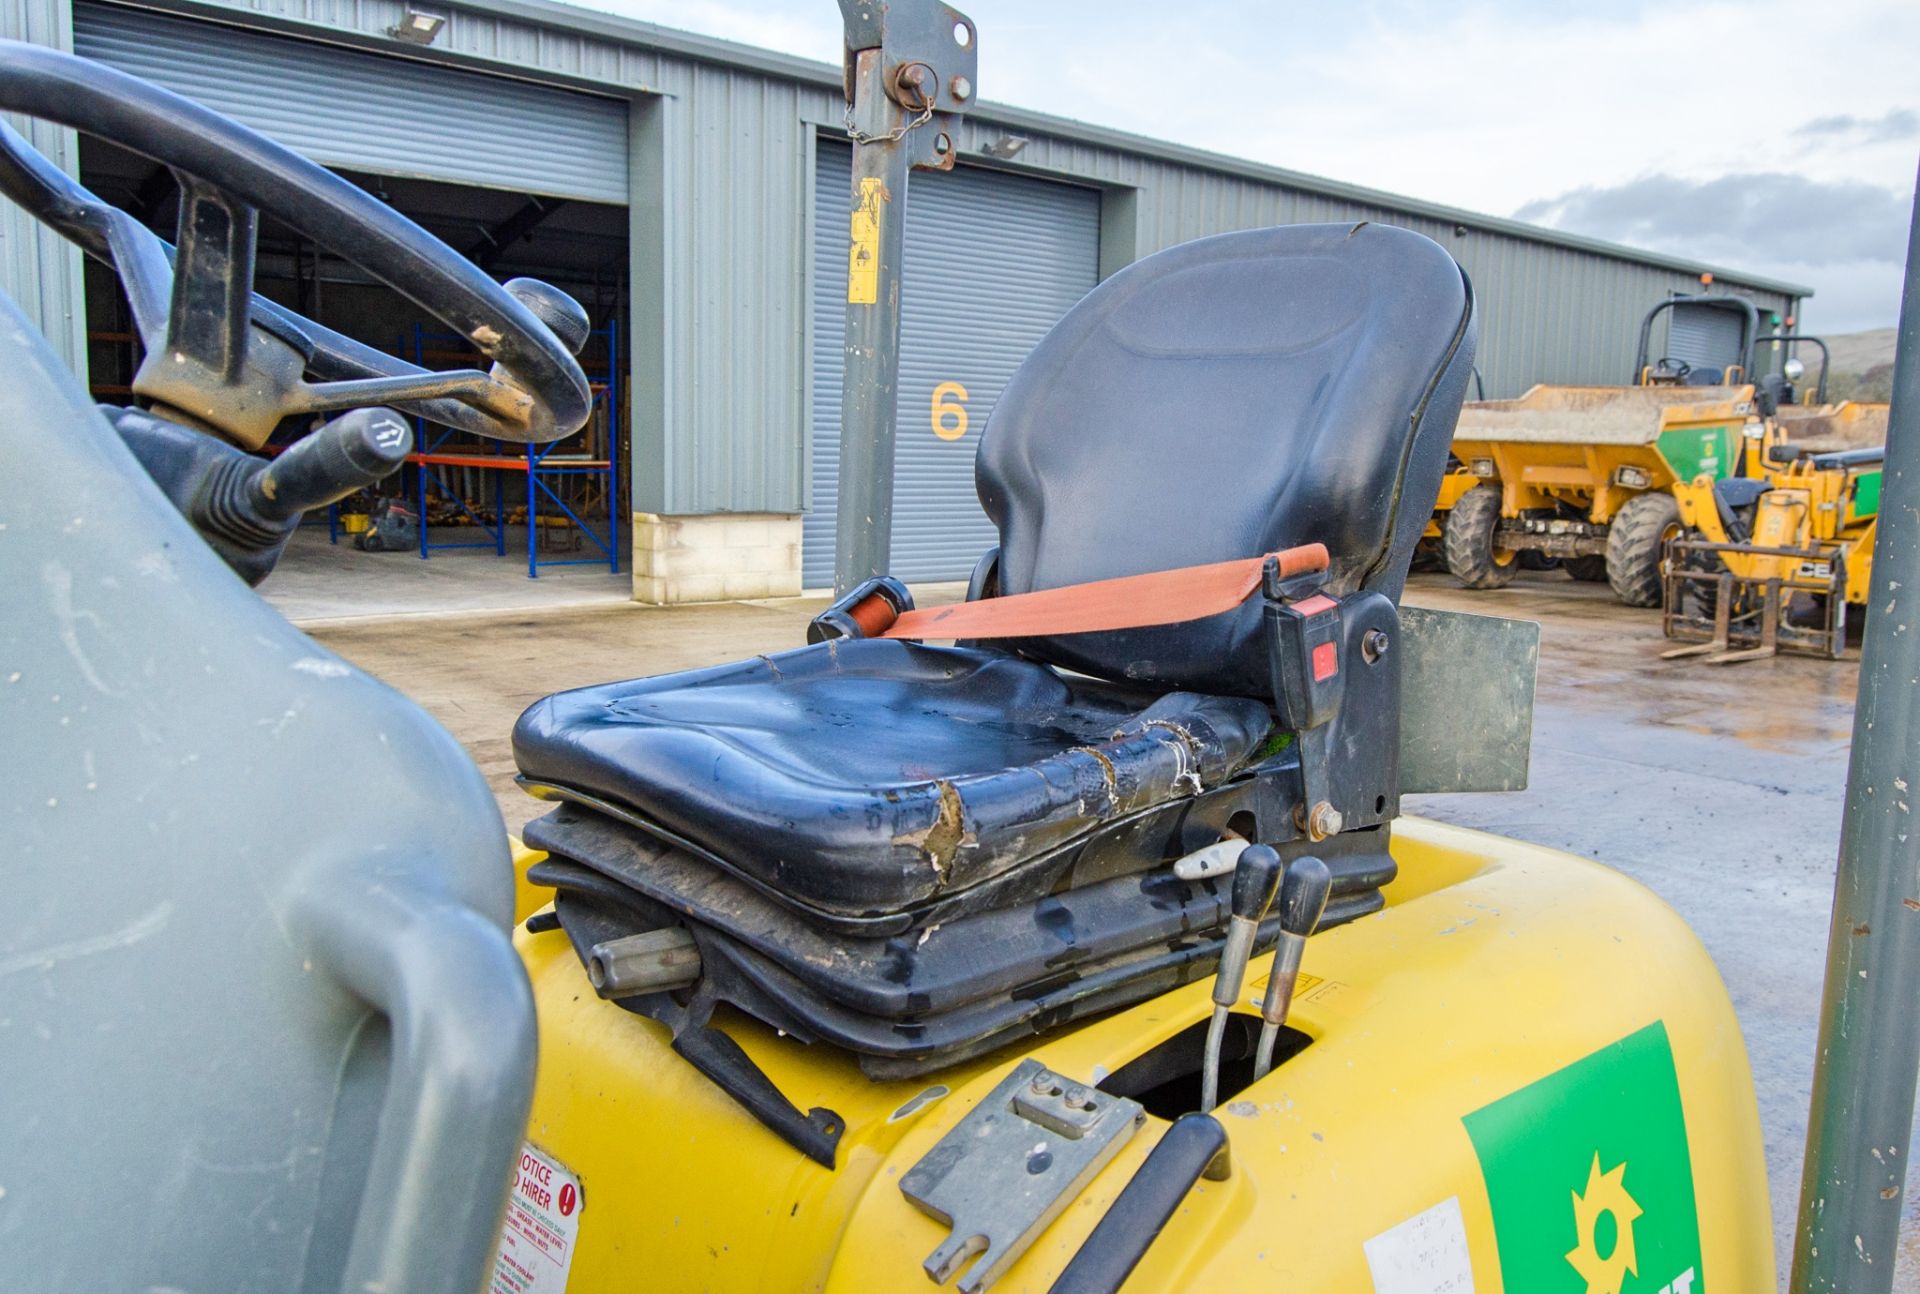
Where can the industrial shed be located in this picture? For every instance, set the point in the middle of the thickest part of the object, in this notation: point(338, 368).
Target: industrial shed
point(693, 194)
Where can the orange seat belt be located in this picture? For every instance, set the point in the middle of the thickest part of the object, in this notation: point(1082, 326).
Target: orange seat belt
point(1129, 602)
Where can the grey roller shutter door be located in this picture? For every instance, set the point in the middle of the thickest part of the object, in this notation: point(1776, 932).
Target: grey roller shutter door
point(1704, 336)
point(993, 261)
point(368, 112)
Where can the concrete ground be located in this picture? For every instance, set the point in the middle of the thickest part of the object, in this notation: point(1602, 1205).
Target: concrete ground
point(1718, 787)
point(318, 581)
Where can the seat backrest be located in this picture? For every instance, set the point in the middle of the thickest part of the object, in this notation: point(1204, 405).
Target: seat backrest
point(1224, 398)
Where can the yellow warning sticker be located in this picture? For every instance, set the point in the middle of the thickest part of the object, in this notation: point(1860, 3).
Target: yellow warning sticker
point(863, 257)
point(1314, 989)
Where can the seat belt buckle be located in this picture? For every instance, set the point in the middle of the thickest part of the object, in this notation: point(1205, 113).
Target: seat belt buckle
point(867, 610)
point(1306, 629)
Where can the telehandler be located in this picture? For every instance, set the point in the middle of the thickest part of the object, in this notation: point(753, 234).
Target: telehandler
point(1773, 563)
point(1772, 559)
point(1091, 949)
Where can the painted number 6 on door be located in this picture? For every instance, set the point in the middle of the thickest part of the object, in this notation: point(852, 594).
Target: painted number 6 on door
point(950, 411)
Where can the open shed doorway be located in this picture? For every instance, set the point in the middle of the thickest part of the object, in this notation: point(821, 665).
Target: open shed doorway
point(360, 558)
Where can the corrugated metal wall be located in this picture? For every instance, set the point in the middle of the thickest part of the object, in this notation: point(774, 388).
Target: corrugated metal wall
point(388, 116)
point(722, 175)
point(1548, 313)
point(39, 269)
point(992, 262)
point(735, 264)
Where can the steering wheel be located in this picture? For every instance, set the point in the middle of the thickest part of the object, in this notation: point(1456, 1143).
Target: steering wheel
point(219, 357)
point(1668, 369)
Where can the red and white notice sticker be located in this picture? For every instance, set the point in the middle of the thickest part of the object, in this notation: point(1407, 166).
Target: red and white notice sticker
point(543, 1222)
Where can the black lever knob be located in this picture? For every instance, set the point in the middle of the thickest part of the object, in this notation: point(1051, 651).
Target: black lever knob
point(1303, 895)
point(1255, 877)
point(1303, 899)
point(350, 453)
point(563, 316)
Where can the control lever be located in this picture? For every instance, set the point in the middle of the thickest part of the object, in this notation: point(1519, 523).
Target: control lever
point(350, 453)
point(1255, 878)
point(1194, 1147)
point(245, 508)
point(1303, 897)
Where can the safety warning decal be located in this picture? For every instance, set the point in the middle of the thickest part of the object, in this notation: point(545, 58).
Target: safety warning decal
point(1323, 993)
point(1590, 1176)
point(863, 256)
point(543, 1222)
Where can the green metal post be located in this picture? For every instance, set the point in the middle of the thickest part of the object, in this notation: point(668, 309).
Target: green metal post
point(1863, 1089)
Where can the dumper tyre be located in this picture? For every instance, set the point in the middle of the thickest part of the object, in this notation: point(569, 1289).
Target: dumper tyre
point(1636, 545)
point(1591, 569)
point(1468, 541)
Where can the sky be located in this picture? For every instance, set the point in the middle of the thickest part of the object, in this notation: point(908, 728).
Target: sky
point(1774, 137)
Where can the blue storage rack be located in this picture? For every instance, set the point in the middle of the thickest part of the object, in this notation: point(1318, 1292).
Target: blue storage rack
point(542, 466)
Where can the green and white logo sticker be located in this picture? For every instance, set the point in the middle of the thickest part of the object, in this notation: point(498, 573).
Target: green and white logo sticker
point(1589, 1178)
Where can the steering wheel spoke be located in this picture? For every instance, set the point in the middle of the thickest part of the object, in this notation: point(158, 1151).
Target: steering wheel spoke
point(209, 318)
point(479, 391)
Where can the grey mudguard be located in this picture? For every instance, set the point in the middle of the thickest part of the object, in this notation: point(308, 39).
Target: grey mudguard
point(263, 1026)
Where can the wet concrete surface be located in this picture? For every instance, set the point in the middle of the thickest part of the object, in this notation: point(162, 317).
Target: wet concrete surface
point(1719, 787)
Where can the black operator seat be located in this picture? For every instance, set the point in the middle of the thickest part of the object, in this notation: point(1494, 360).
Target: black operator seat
point(1224, 398)
point(1732, 497)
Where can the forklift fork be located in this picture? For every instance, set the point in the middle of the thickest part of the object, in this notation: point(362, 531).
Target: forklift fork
point(1771, 609)
point(1776, 633)
point(1722, 620)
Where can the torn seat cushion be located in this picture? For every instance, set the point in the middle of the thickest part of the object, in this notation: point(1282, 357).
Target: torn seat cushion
point(871, 776)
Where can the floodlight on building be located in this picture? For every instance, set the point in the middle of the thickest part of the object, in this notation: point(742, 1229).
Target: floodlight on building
point(418, 26)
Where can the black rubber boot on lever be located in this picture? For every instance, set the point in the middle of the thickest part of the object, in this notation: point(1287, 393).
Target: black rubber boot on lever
point(246, 507)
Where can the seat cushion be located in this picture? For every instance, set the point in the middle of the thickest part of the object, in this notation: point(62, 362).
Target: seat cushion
point(871, 776)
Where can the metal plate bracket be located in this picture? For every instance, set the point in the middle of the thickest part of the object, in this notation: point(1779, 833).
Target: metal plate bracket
point(1005, 1171)
point(1466, 701)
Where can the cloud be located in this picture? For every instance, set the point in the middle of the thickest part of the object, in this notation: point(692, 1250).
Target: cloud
point(1774, 215)
point(1894, 126)
point(1844, 238)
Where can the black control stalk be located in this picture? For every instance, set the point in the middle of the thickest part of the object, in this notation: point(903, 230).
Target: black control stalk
point(353, 451)
point(1303, 898)
point(1255, 877)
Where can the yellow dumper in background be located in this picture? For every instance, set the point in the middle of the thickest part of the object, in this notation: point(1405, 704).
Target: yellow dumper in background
point(1586, 474)
point(1832, 428)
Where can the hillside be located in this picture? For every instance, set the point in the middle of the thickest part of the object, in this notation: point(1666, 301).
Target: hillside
point(1862, 364)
